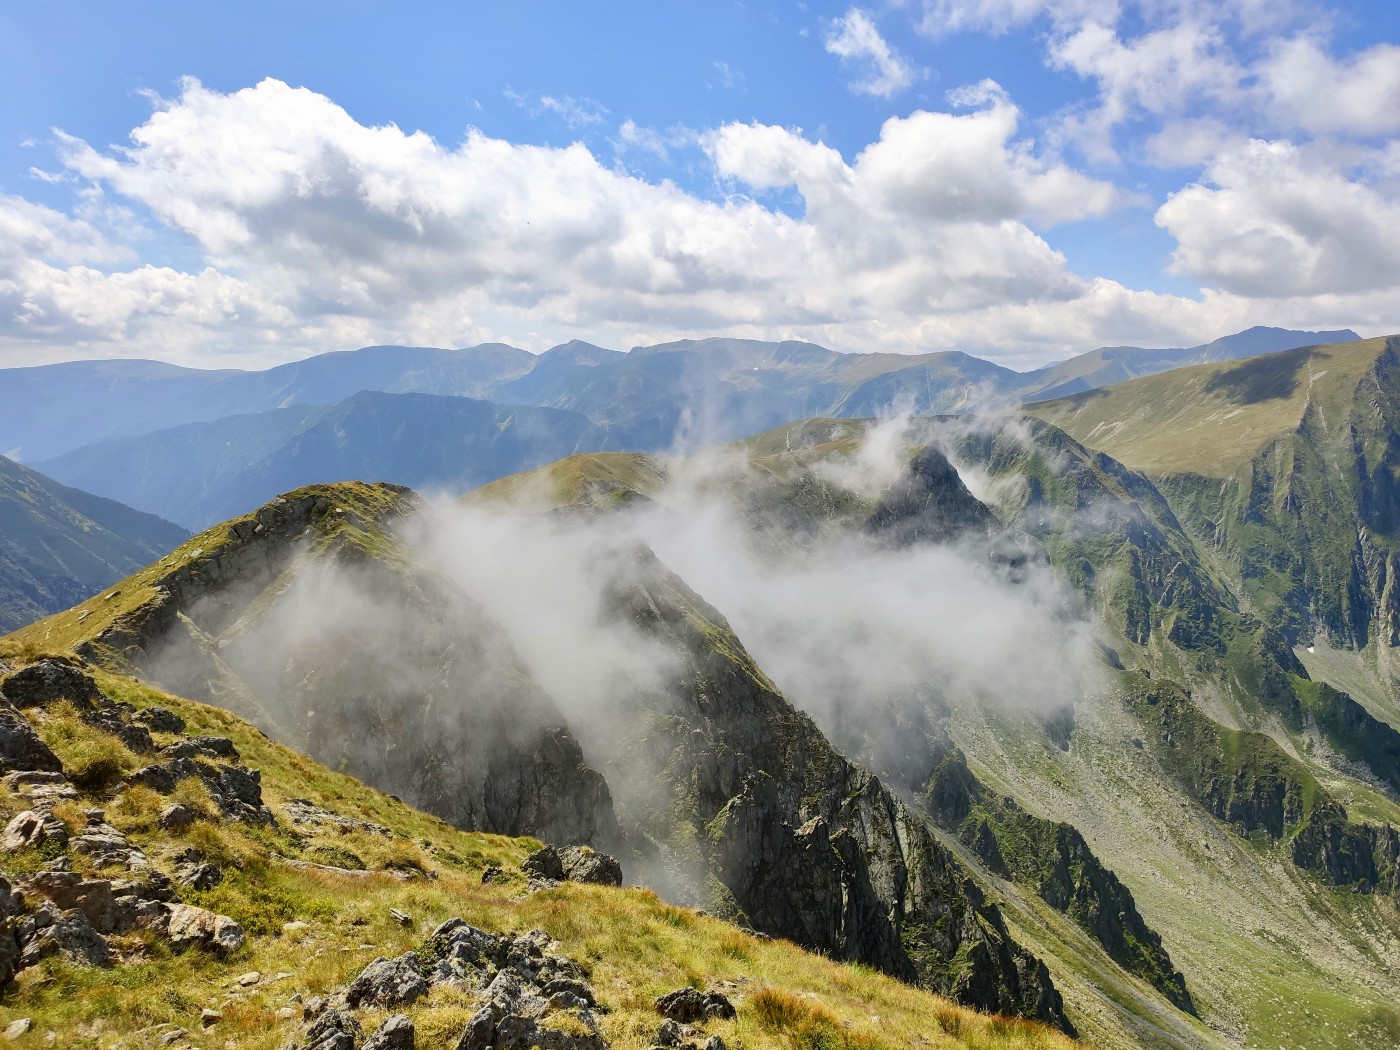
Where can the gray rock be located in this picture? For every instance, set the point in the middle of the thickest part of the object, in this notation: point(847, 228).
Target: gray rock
point(108, 847)
point(388, 983)
point(584, 864)
point(43, 790)
point(177, 817)
point(68, 890)
point(50, 931)
point(20, 746)
point(33, 829)
point(303, 813)
point(50, 680)
point(332, 1030)
point(544, 864)
point(136, 738)
point(401, 917)
point(688, 1005)
point(217, 746)
point(9, 950)
point(161, 720)
point(670, 1035)
point(11, 903)
point(18, 1027)
point(192, 871)
point(396, 1033)
point(514, 1018)
point(158, 777)
point(192, 927)
point(461, 946)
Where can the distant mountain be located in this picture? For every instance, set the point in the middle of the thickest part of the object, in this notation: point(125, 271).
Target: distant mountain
point(690, 392)
point(51, 409)
point(59, 546)
point(200, 473)
point(1114, 364)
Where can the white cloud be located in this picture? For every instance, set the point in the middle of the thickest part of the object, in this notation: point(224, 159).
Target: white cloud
point(1308, 88)
point(729, 77)
point(326, 228)
point(855, 39)
point(574, 112)
point(1275, 219)
point(631, 136)
point(318, 232)
point(937, 17)
point(1160, 73)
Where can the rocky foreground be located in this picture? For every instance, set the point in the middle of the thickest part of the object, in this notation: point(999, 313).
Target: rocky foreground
point(158, 890)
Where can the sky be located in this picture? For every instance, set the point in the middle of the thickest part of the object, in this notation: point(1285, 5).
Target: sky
point(238, 185)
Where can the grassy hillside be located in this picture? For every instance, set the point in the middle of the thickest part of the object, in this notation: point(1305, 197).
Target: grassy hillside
point(315, 902)
point(1212, 419)
point(59, 545)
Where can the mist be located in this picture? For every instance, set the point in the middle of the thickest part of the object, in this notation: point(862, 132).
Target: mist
point(841, 621)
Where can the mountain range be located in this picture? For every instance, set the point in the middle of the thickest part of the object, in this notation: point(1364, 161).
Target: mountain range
point(127, 429)
point(1083, 711)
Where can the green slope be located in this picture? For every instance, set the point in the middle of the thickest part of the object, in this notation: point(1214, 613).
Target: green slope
point(59, 545)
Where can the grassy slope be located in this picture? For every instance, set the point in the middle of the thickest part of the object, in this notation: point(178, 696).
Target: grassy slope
point(636, 946)
point(355, 506)
point(1211, 419)
point(59, 545)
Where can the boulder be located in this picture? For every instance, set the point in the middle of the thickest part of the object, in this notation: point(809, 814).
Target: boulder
point(43, 790)
point(192, 871)
point(332, 1030)
point(544, 864)
point(108, 847)
point(9, 950)
point(177, 817)
point(18, 1027)
point(20, 746)
point(50, 680)
point(192, 927)
point(511, 1019)
point(32, 829)
point(387, 983)
point(51, 931)
point(689, 1005)
point(396, 1033)
point(161, 720)
point(158, 777)
point(68, 890)
point(584, 864)
point(217, 746)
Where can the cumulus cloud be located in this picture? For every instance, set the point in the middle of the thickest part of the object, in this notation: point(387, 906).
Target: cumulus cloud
point(1276, 219)
point(1310, 89)
point(323, 228)
point(854, 39)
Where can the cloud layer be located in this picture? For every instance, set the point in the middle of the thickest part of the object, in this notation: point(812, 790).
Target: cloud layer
point(298, 228)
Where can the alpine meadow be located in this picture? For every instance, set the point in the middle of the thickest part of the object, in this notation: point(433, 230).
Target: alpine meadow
point(783, 526)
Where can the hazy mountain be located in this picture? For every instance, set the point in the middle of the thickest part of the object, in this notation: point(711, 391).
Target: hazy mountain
point(59, 545)
point(692, 391)
point(51, 409)
point(202, 472)
point(1114, 364)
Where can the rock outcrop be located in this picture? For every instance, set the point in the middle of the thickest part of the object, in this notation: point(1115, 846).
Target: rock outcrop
point(802, 843)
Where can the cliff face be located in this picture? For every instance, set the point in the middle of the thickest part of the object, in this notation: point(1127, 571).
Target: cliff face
point(786, 835)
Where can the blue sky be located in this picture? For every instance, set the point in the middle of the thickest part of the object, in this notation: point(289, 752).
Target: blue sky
point(1022, 179)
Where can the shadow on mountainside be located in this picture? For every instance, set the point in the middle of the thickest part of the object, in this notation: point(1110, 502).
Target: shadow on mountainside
point(1270, 378)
